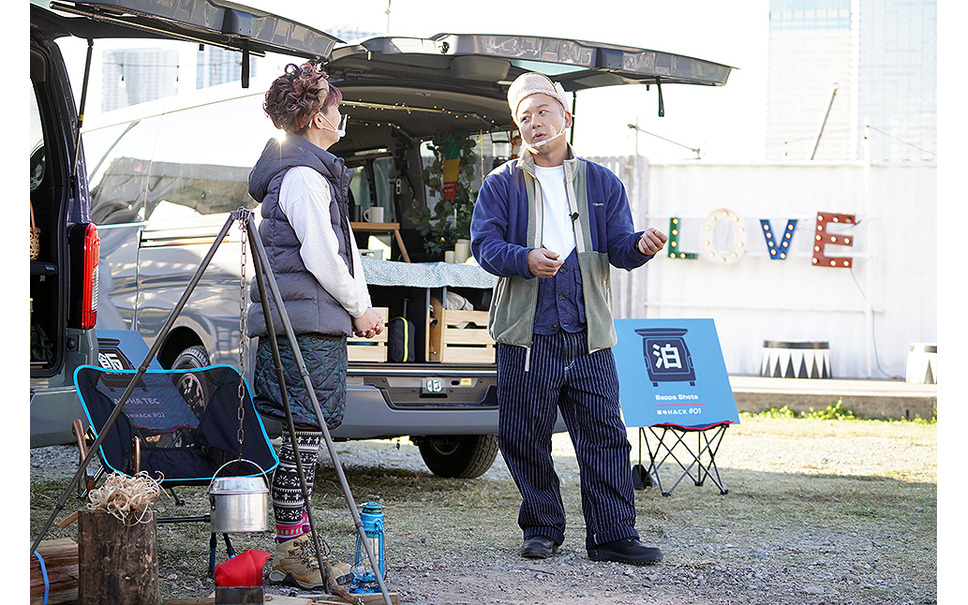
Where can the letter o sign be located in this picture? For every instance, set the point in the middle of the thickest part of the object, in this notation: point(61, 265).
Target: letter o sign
point(718, 220)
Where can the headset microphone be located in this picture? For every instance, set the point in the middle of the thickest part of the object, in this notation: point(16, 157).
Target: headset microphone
point(537, 146)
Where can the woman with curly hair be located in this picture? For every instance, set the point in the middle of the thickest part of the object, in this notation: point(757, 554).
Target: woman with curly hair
point(303, 192)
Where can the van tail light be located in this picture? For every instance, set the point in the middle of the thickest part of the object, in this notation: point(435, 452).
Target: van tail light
point(85, 255)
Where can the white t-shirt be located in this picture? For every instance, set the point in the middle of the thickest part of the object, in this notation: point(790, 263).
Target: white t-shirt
point(557, 231)
point(304, 198)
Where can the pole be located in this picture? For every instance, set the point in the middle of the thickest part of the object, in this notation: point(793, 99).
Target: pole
point(325, 570)
point(263, 263)
point(636, 128)
point(868, 273)
point(823, 124)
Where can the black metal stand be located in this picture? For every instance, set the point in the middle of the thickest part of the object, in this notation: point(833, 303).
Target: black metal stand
point(264, 277)
point(703, 458)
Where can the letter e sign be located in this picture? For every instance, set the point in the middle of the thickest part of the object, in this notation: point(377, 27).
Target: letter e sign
point(824, 237)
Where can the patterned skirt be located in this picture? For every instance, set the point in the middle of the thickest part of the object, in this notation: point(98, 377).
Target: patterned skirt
point(325, 360)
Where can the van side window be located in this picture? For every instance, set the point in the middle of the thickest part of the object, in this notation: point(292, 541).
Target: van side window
point(175, 165)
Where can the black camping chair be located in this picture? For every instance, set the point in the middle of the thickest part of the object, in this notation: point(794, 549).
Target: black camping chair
point(179, 426)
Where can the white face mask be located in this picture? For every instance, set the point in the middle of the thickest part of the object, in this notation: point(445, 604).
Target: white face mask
point(339, 130)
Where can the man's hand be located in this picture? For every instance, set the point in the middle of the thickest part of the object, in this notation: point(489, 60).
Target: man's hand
point(651, 241)
point(369, 324)
point(543, 263)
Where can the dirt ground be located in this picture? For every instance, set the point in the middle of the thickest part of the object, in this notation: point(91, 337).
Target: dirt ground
point(817, 512)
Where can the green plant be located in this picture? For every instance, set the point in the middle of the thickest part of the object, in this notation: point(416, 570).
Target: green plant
point(775, 412)
point(831, 412)
point(450, 219)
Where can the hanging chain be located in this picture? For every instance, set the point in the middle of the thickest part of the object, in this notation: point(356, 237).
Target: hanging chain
point(243, 226)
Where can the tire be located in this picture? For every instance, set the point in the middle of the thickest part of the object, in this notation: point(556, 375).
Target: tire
point(191, 358)
point(458, 456)
point(196, 393)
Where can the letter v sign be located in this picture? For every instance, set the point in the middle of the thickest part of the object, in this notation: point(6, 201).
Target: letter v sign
point(778, 247)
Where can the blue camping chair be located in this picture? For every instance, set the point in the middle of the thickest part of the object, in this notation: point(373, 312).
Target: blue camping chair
point(179, 426)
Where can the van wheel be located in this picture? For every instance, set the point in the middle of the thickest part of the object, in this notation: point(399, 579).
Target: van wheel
point(458, 456)
point(190, 358)
point(195, 391)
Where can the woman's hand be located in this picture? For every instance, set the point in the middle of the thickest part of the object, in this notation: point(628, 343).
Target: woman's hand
point(369, 324)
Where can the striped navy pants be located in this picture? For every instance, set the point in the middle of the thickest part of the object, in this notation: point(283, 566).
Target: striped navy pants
point(562, 375)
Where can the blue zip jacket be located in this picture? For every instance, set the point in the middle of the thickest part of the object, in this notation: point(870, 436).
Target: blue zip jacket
point(499, 230)
point(507, 225)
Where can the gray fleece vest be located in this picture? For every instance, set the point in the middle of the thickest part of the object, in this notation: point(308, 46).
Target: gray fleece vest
point(310, 308)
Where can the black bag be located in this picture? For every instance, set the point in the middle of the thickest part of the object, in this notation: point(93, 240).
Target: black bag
point(400, 340)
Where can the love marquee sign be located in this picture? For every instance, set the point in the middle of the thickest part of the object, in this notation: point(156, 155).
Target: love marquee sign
point(826, 233)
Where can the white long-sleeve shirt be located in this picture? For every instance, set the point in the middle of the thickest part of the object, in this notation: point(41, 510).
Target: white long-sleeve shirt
point(305, 198)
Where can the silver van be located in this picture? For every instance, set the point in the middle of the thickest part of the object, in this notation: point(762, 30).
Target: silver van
point(165, 175)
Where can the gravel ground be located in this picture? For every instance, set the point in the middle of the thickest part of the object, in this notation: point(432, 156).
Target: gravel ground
point(818, 512)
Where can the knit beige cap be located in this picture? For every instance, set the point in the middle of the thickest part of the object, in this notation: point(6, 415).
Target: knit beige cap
point(532, 83)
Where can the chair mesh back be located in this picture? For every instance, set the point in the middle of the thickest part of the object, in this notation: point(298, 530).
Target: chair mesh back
point(187, 422)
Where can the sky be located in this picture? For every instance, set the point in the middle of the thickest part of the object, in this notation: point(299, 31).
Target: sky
point(725, 123)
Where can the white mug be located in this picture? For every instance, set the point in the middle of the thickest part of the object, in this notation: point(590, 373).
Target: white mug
point(462, 250)
point(373, 214)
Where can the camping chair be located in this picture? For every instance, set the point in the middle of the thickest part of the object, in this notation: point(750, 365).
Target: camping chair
point(179, 426)
point(670, 436)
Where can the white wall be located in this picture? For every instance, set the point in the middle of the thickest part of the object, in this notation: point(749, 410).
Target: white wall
point(870, 313)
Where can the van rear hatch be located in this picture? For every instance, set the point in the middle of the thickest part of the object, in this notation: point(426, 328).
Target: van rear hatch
point(428, 86)
point(223, 24)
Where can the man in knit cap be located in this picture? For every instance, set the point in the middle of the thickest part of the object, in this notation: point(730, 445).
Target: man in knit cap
point(549, 224)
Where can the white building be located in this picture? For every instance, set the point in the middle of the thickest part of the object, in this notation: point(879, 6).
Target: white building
point(838, 65)
point(870, 313)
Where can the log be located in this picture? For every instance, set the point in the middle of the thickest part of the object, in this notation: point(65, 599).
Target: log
point(60, 561)
point(118, 563)
point(367, 598)
point(270, 599)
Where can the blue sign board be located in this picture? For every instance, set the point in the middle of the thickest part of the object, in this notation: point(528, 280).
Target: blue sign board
point(671, 371)
point(122, 350)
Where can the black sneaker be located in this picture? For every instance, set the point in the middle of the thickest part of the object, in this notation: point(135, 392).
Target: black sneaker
point(628, 550)
point(538, 547)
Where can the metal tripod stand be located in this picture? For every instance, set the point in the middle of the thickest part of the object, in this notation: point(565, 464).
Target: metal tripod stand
point(266, 283)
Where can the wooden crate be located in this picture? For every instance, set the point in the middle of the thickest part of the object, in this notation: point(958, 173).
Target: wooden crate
point(369, 349)
point(450, 343)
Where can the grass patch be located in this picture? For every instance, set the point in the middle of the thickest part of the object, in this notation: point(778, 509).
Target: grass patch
point(835, 411)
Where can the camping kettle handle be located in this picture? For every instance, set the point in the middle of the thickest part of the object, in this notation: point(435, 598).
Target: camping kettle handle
point(264, 476)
